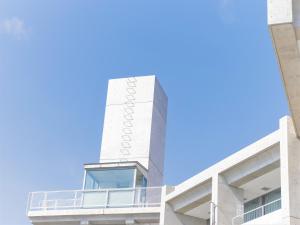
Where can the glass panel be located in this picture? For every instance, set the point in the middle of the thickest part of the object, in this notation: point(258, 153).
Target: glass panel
point(109, 178)
point(89, 181)
point(272, 196)
point(271, 207)
point(270, 202)
point(121, 198)
point(253, 204)
point(141, 181)
point(262, 205)
point(251, 215)
point(94, 199)
point(250, 208)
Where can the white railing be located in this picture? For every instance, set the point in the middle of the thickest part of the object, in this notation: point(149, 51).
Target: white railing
point(256, 213)
point(102, 198)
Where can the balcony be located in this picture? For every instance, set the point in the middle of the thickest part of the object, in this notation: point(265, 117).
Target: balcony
point(95, 199)
point(257, 212)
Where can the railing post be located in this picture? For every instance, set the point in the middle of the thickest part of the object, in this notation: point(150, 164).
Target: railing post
point(45, 201)
point(75, 199)
point(136, 196)
point(107, 198)
point(81, 200)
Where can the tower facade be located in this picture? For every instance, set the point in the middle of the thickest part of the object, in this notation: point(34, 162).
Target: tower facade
point(135, 125)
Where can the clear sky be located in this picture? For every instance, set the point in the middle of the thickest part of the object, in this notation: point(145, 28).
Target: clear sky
point(214, 59)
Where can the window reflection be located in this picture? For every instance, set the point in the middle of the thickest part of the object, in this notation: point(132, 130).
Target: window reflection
point(109, 178)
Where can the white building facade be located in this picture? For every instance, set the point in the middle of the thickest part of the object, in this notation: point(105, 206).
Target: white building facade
point(259, 184)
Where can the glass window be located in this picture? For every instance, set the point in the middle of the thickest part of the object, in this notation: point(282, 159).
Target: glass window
point(262, 205)
point(141, 181)
point(262, 200)
point(272, 201)
point(109, 178)
point(253, 204)
point(251, 210)
point(272, 196)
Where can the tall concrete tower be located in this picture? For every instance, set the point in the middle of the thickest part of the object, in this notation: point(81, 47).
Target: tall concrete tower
point(135, 125)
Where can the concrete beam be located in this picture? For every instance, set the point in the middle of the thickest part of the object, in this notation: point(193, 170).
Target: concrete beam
point(280, 11)
point(227, 200)
point(192, 198)
point(254, 167)
point(284, 22)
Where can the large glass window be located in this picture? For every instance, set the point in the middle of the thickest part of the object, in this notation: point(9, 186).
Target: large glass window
point(109, 178)
point(262, 205)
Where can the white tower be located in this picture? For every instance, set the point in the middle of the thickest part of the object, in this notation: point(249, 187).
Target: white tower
point(135, 125)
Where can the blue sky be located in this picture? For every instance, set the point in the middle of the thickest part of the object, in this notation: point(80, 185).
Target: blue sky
point(214, 59)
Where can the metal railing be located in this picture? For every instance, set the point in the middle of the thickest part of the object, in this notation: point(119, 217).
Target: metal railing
point(90, 199)
point(256, 213)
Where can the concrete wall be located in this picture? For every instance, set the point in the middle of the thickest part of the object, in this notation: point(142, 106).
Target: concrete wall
point(157, 138)
point(228, 201)
point(173, 218)
point(169, 217)
point(290, 172)
point(284, 25)
point(135, 124)
point(280, 11)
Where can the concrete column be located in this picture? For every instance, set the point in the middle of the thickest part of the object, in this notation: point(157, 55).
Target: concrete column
point(290, 172)
point(169, 217)
point(228, 201)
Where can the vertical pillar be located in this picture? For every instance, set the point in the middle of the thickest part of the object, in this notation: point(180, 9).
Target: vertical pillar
point(165, 207)
point(290, 172)
point(170, 217)
point(228, 200)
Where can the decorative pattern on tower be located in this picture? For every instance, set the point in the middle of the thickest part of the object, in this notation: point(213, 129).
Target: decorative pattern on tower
point(128, 115)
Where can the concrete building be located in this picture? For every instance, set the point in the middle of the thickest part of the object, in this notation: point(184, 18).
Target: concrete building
point(259, 184)
point(125, 186)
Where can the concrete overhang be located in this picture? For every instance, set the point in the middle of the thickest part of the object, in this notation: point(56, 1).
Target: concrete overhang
point(115, 165)
point(284, 25)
